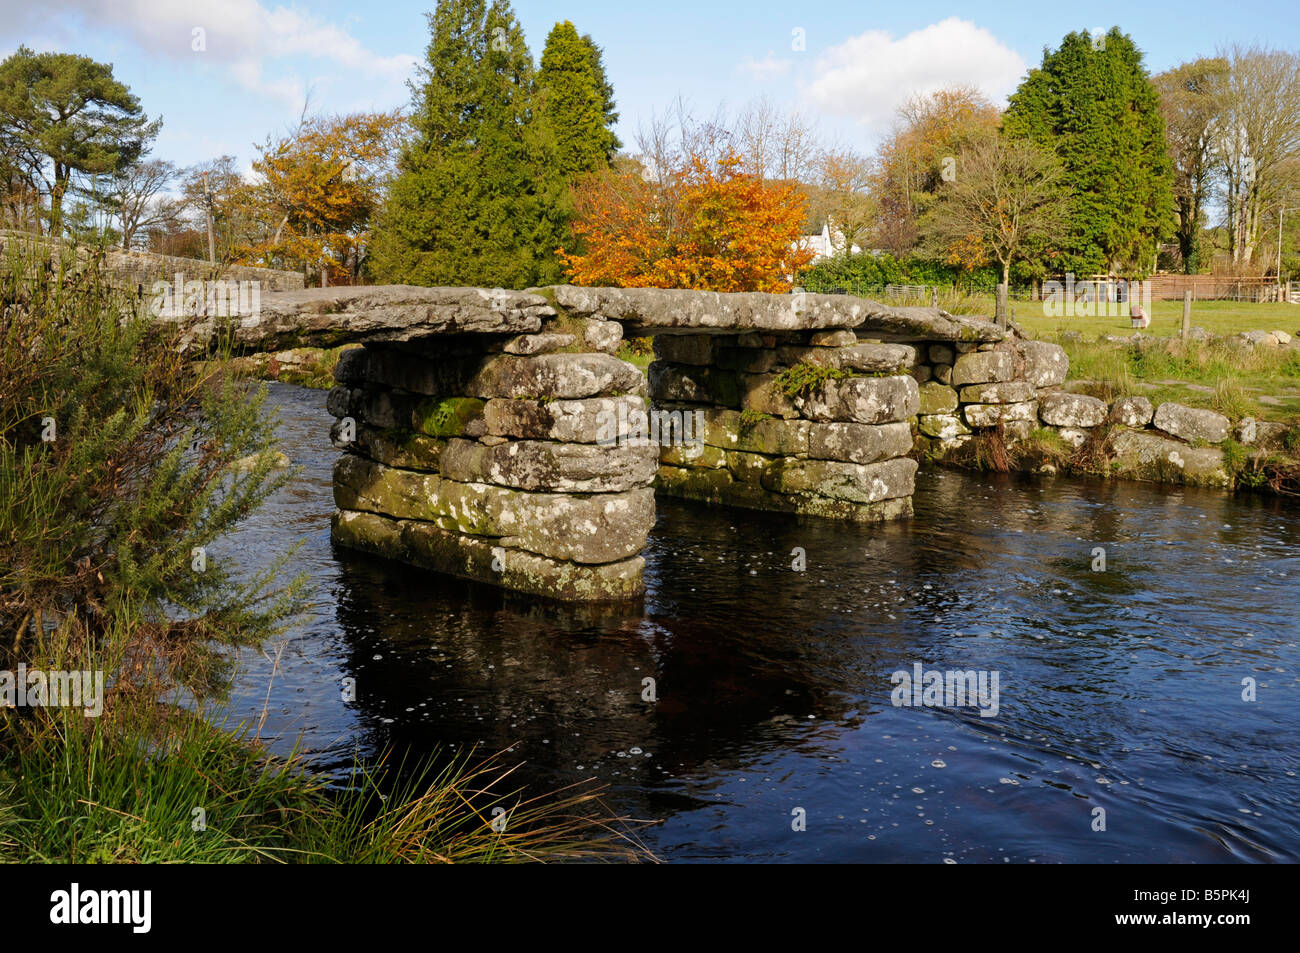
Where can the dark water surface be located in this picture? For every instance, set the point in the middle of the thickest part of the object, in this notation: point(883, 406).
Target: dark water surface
point(1119, 690)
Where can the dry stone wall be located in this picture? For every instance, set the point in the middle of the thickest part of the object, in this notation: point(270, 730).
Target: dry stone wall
point(1021, 385)
point(968, 387)
point(844, 446)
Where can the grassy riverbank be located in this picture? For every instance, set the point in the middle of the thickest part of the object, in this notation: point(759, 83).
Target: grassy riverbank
point(1239, 382)
point(1213, 372)
point(120, 464)
point(156, 784)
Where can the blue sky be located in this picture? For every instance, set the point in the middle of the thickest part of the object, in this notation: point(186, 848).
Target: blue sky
point(858, 61)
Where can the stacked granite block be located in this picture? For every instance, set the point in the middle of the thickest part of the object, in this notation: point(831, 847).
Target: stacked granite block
point(836, 449)
point(966, 387)
point(484, 456)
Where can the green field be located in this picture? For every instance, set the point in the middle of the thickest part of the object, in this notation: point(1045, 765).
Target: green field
point(1262, 382)
point(1217, 317)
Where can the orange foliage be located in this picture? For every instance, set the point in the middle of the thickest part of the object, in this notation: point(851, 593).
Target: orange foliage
point(968, 252)
point(317, 192)
point(711, 228)
point(910, 162)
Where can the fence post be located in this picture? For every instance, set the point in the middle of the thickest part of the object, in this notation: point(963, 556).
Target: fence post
point(1187, 314)
point(1002, 306)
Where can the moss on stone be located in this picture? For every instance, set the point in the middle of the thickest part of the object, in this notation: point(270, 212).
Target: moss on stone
point(446, 417)
point(805, 377)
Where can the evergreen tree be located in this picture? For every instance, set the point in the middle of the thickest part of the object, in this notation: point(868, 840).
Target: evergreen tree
point(478, 200)
point(577, 101)
point(1093, 103)
point(62, 114)
point(606, 90)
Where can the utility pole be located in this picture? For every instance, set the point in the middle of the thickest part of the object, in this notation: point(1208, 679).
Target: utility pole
point(1280, 210)
point(207, 209)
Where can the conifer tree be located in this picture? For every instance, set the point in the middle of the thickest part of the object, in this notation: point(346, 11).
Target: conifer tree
point(1093, 103)
point(478, 200)
point(63, 115)
point(577, 101)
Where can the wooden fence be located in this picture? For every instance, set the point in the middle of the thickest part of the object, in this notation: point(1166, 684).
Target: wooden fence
point(1221, 287)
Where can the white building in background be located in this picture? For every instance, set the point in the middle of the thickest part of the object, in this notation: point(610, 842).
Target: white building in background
point(830, 242)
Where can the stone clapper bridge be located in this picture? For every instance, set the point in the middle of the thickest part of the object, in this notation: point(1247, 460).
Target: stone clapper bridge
point(476, 423)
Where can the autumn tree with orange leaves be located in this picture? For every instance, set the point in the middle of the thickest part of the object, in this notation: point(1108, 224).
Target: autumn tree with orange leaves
point(708, 226)
point(316, 192)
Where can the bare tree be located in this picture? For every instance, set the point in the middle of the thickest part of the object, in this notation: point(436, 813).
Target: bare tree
point(669, 139)
point(1190, 101)
point(655, 151)
point(136, 198)
point(776, 144)
point(1006, 193)
point(1257, 137)
point(236, 219)
point(756, 132)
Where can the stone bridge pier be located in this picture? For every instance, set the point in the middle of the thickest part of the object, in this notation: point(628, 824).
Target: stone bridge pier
point(496, 436)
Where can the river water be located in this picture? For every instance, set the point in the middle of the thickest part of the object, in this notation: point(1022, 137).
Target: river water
point(1120, 689)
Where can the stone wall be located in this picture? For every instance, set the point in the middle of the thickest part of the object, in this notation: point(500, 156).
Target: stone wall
point(1022, 384)
point(835, 447)
point(136, 271)
point(842, 448)
point(488, 456)
point(968, 387)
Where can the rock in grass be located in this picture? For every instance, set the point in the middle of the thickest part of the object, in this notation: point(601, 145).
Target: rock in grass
point(1072, 410)
point(1133, 412)
point(249, 463)
point(1191, 423)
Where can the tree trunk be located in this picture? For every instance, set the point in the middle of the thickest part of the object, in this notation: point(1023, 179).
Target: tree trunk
point(61, 176)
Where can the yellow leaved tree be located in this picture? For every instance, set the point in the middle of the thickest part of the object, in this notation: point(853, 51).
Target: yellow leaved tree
point(316, 192)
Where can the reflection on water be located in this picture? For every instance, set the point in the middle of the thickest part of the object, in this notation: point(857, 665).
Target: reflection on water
point(1119, 689)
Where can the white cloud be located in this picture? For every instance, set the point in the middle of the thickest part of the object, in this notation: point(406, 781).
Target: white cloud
point(869, 76)
point(244, 37)
point(769, 67)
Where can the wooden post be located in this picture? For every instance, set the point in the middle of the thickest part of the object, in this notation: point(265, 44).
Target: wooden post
point(1187, 314)
point(934, 297)
point(1002, 306)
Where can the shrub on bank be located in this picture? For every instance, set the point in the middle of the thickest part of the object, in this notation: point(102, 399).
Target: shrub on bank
point(120, 464)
